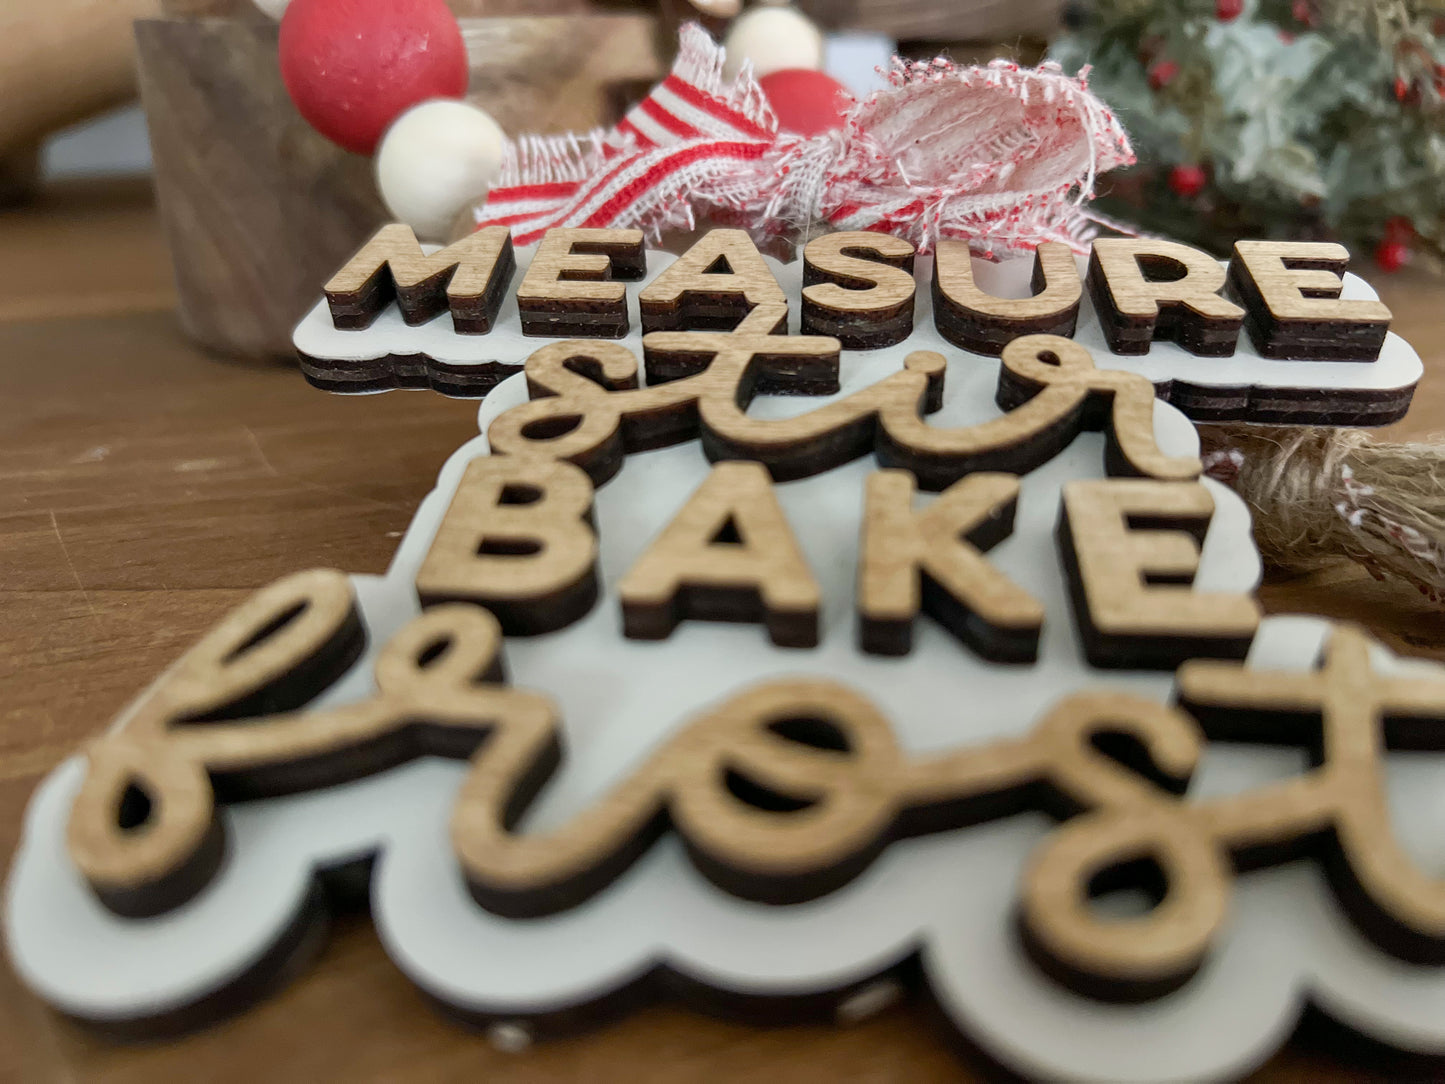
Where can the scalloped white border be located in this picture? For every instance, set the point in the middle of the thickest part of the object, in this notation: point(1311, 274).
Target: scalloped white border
point(1397, 368)
point(949, 897)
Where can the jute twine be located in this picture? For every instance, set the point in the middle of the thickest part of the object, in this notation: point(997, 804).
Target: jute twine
point(1319, 495)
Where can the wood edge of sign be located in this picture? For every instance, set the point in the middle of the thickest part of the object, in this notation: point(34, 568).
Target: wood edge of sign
point(302, 940)
point(986, 334)
point(1131, 335)
point(1145, 650)
point(854, 322)
point(1125, 336)
point(405, 372)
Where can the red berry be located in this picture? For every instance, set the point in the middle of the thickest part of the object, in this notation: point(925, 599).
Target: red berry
point(1228, 10)
point(1187, 181)
point(1162, 73)
point(1399, 228)
point(1392, 255)
point(353, 66)
point(806, 102)
point(1303, 12)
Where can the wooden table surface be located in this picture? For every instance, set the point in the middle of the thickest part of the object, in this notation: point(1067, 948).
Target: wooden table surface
point(145, 488)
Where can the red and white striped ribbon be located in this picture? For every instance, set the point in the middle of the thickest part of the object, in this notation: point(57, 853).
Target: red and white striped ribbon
point(1002, 157)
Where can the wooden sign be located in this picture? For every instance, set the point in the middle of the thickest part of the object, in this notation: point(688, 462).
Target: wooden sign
point(780, 674)
point(1280, 333)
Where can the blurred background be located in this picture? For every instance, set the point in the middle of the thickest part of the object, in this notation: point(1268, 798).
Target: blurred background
point(1260, 118)
point(166, 216)
point(257, 208)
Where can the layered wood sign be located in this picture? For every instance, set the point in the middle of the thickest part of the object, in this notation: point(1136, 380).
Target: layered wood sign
point(783, 671)
point(1279, 333)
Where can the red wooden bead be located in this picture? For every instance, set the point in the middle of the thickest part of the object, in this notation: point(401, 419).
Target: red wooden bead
point(806, 102)
point(353, 66)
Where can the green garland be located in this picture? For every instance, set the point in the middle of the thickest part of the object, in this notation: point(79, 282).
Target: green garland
point(1270, 118)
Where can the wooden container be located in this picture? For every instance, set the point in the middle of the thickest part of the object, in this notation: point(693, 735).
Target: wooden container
point(259, 210)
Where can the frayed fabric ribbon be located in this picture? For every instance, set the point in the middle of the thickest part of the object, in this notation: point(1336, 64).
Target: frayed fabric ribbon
point(1001, 157)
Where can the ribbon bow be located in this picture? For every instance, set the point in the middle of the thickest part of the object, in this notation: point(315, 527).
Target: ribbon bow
point(1001, 157)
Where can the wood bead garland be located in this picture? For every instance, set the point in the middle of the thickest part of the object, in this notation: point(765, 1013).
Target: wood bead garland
point(772, 39)
point(436, 160)
point(806, 101)
point(351, 66)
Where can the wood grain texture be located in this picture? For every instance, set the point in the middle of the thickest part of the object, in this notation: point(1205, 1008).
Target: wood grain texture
point(711, 286)
point(1056, 381)
point(926, 20)
point(1146, 289)
point(968, 317)
point(149, 489)
point(549, 72)
point(517, 539)
point(574, 286)
point(1352, 713)
point(469, 277)
point(84, 248)
point(727, 555)
point(932, 560)
point(271, 653)
point(858, 287)
point(1130, 548)
point(1291, 291)
point(595, 422)
point(260, 210)
point(700, 384)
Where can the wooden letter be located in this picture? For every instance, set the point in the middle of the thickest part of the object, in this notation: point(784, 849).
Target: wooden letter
point(711, 286)
point(1048, 385)
point(858, 287)
point(1052, 390)
point(931, 559)
point(568, 291)
point(1130, 581)
point(587, 407)
point(469, 276)
point(518, 540)
point(1145, 290)
point(789, 789)
point(1291, 293)
point(974, 320)
point(728, 555)
point(1348, 714)
point(777, 791)
point(222, 725)
point(1135, 837)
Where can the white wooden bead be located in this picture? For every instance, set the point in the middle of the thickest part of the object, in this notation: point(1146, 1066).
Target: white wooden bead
point(434, 160)
point(774, 39)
